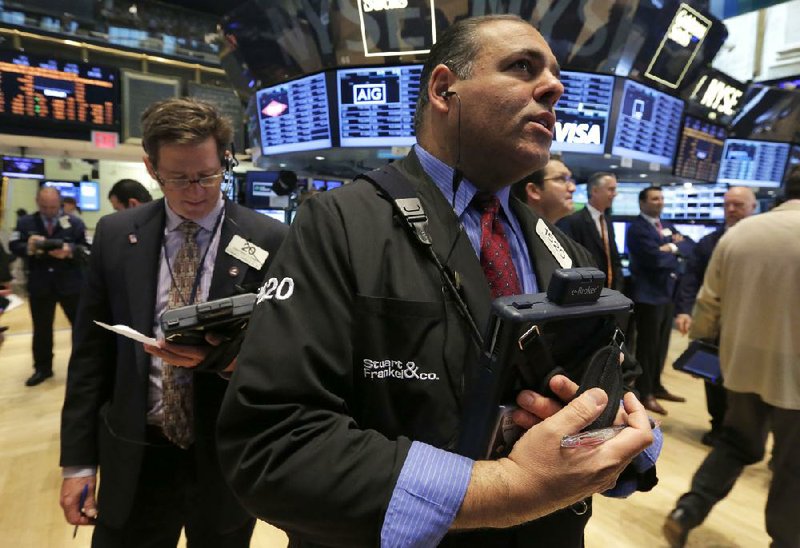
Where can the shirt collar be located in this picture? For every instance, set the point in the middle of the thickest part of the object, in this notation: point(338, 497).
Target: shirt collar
point(593, 211)
point(442, 176)
point(651, 220)
point(174, 220)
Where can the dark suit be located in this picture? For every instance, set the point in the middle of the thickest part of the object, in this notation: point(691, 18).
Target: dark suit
point(654, 274)
point(50, 280)
point(580, 227)
point(104, 415)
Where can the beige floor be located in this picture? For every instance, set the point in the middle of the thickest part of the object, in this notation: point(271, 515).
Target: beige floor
point(30, 477)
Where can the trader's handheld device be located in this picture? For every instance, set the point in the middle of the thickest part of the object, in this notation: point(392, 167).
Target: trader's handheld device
point(226, 317)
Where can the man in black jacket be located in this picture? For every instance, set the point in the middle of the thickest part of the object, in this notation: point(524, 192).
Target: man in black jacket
point(740, 202)
point(340, 422)
point(145, 415)
point(55, 275)
point(592, 227)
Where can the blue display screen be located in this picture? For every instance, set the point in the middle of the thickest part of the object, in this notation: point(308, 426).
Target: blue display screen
point(25, 168)
point(582, 112)
point(648, 124)
point(294, 116)
point(753, 163)
point(89, 199)
point(377, 105)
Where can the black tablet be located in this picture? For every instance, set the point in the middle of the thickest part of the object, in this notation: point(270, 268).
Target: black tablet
point(701, 359)
point(226, 316)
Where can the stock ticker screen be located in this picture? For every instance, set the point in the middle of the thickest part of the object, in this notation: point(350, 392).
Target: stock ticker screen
point(700, 150)
point(753, 163)
point(49, 90)
point(648, 124)
point(377, 105)
point(294, 116)
point(582, 112)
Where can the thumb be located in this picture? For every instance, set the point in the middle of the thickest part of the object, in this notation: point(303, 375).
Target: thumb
point(90, 506)
point(581, 412)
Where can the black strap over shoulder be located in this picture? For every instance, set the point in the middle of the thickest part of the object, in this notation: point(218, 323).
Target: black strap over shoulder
point(396, 188)
point(404, 199)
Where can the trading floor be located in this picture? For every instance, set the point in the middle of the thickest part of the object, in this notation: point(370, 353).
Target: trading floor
point(30, 476)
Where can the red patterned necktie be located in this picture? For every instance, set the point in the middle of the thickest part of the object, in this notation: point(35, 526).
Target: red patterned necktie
point(495, 250)
point(607, 250)
point(176, 382)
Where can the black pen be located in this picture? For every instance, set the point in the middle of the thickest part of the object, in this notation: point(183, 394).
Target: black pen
point(84, 494)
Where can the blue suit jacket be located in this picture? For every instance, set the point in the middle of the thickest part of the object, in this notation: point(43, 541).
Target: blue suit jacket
point(692, 279)
point(654, 273)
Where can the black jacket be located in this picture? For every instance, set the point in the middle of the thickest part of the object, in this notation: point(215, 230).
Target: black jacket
point(48, 276)
point(320, 414)
point(689, 284)
point(105, 408)
point(580, 227)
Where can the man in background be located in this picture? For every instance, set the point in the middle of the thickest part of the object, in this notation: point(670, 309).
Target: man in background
point(51, 244)
point(750, 300)
point(143, 414)
point(128, 193)
point(739, 203)
point(592, 227)
point(548, 191)
point(653, 250)
point(70, 206)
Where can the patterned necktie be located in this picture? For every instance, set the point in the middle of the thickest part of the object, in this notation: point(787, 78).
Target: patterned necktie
point(49, 226)
point(176, 382)
point(495, 250)
point(607, 248)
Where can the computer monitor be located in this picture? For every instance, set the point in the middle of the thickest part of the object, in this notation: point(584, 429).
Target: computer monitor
point(700, 150)
point(89, 196)
point(259, 192)
point(330, 185)
point(582, 112)
point(294, 116)
point(753, 163)
point(626, 203)
point(620, 230)
point(647, 125)
point(702, 202)
point(69, 189)
point(695, 231)
point(277, 214)
point(24, 168)
point(377, 105)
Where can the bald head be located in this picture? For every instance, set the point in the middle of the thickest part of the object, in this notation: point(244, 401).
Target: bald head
point(740, 202)
point(48, 200)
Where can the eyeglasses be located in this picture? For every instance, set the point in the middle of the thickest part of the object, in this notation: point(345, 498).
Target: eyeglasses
point(179, 184)
point(560, 179)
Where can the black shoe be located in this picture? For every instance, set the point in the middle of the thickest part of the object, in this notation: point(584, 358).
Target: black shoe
point(38, 378)
point(710, 438)
point(676, 528)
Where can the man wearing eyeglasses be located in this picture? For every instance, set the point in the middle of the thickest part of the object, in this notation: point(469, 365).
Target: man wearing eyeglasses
point(145, 415)
point(548, 191)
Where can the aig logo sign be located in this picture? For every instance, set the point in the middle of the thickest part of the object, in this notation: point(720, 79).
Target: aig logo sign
point(369, 94)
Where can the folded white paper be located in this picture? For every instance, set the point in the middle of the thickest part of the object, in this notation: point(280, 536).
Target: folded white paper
point(126, 331)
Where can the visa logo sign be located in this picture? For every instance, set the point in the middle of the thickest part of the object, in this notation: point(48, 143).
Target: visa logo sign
point(579, 134)
point(369, 94)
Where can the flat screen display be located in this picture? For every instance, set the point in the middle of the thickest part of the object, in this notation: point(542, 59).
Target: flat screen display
point(277, 214)
point(24, 168)
point(69, 189)
point(89, 196)
point(696, 202)
point(627, 201)
point(647, 125)
point(377, 105)
point(294, 116)
point(768, 114)
point(700, 150)
point(61, 92)
point(582, 112)
point(695, 231)
point(620, 230)
point(753, 163)
point(260, 193)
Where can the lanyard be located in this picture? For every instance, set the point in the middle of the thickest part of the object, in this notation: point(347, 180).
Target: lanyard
point(199, 274)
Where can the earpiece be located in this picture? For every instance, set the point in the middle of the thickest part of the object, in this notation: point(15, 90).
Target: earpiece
point(448, 93)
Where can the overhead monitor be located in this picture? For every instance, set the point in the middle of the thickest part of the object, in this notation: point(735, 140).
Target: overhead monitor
point(627, 201)
point(695, 231)
point(768, 114)
point(647, 125)
point(41, 90)
point(277, 214)
point(69, 189)
point(23, 168)
point(702, 202)
point(753, 163)
point(294, 116)
point(715, 95)
point(582, 113)
point(700, 151)
point(377, 105)
point(89, 199)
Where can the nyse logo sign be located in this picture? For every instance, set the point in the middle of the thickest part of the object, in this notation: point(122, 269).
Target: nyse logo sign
point(719, 96)
point(578, 134)
point(369, 94)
